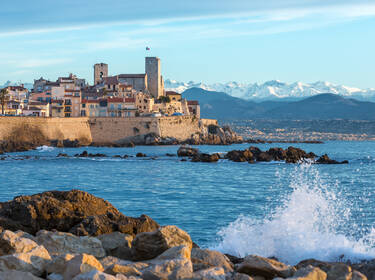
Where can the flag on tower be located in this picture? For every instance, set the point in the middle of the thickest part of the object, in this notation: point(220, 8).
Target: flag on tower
point(147, 48)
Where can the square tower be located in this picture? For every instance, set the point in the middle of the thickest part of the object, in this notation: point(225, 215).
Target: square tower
point(154, 78)
point(100, 71)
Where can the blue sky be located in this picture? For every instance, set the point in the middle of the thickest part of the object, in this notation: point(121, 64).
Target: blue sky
point(209, 41)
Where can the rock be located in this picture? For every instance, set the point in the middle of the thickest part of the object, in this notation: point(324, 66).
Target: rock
point(366, 267)
point(324, 159)
point(241, 276)
point(81, 264)
point(141, 155)
point(277, 154)
point(213, 273)
point(67, 243)
point(356, 275)
point(240, 156)
point(71, 143)
point(264, 156)
point(94, 275)
point(58, 263)
point(294, 155)
point(17, 275)
point(255, 151)
point(174, 263)
point(148, 245)
point(123, 269)
point(62, 155)
point(333, 270)
point(205, 158)
point(11, 243)
point(72, 211)
point(185, 151)
point(33, 261)
point(55, 276)
point(268, 268)
point(204, 258)
point(234, 259)
point(310, 273)
point(117, 244)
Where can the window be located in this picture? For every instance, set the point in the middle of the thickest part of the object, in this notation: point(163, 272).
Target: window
point(83, 105)
point(119, 106)
point(112, 106)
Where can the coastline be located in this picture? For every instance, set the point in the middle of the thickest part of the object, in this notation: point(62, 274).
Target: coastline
point(75, 235)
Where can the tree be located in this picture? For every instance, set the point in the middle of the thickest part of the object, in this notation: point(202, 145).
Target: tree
point(164, 99)
point(3, 98)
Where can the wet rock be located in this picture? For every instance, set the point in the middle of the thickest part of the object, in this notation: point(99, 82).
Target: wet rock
point(170, 155)
point(148, 245)
point(81, 264)
point(71, 143)
point(264, 156)
point(324, 159)
point(33, 261)
point(185, 151)
point(295, 155)
point(366, 267)
point(141, 155)
point(204, 258)
point(234, 259)
point(117, 244)
point(240, 156)
point(67, 243)
point(201, 157)
point(62, 155)
point(255, 151)
point(86, 154)
point(72, 211)
point(277, 154)
point(268, 268)
point(130, 145)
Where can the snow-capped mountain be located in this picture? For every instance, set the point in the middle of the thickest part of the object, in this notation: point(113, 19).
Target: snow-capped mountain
point(275, 90)
point(9, 83)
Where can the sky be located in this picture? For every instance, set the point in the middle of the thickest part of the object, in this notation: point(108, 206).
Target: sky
point(208, 40)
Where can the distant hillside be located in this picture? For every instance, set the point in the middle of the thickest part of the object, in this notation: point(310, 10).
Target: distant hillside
point(319, 107)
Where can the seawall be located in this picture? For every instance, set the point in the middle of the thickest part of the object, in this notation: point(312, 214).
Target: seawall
point(105, 130)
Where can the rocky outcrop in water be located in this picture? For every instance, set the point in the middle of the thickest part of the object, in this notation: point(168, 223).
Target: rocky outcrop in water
point(254, 154)
point(156, 253)
point(72, 211)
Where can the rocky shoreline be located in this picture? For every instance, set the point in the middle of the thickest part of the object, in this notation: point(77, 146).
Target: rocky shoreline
point(30, 138)
point(74, 235)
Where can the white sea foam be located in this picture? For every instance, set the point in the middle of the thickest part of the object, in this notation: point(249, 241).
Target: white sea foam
point(313, 221)
point(45, 148)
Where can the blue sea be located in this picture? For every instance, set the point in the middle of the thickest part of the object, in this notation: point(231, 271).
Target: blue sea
point(290, 211)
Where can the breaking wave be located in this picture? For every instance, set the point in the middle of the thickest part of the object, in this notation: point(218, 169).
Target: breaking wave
point(45, 148)
point(313, 221)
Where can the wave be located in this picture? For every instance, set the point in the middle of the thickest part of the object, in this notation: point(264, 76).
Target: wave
point(313, 221)
point(45, 148)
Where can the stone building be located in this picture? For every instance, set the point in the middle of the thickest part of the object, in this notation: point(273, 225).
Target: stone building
point(154, 78)
point(100, 71)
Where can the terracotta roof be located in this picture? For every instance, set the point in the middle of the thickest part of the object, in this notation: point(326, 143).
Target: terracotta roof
point(37, 103)
point(193, 102)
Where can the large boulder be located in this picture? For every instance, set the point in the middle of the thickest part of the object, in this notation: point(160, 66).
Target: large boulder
point(117, 244)
point(204, 259)
point(268, 268)
point(72, 211)
point(81, 264)
point(213, 273)
point(148, 245)
point(11, 243)
point(58, 263)
point(310, 273)
point(295, 155)
point(324, 159)
point(33, 261)
point(67, 243)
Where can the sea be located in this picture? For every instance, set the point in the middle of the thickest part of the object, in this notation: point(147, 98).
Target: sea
point(288, 211)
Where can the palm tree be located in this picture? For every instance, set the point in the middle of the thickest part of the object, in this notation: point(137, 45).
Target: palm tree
point(3, 98)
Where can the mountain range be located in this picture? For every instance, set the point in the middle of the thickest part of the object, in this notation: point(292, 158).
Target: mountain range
point(275, 90)
point(325, 106)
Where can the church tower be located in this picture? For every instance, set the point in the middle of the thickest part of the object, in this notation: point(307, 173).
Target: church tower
point(155, 82)
point(100, 71)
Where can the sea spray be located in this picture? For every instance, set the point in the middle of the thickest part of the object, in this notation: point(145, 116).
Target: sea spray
point(313, 221)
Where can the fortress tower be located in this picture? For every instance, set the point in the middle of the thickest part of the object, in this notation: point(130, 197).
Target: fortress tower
point(155, 82)
point(100, 71)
